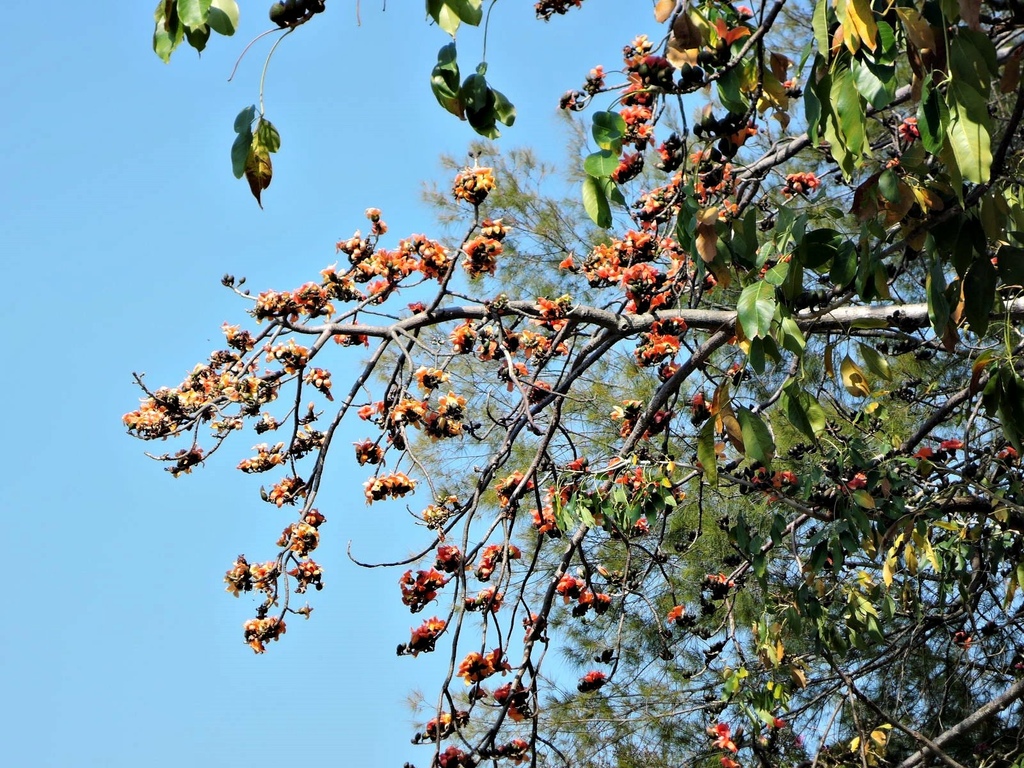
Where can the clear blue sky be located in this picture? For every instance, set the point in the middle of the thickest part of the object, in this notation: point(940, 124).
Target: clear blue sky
point(118, 216)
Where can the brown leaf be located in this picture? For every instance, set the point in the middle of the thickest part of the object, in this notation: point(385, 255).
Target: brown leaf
point(663, 10)
point(684, 42)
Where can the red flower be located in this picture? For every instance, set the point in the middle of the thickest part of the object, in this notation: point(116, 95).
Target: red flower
point(592, 681)
point(723, 737)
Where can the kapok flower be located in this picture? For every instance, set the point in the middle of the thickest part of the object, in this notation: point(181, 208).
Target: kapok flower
point(473, 185)
point(723, 737)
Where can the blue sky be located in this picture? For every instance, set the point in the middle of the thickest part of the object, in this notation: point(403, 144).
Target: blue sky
point(118, 216)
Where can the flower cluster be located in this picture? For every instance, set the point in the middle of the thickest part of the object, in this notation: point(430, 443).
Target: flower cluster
point(488, 598)
point(308, 574)
point(477, 666)
point(800, 184)
point(517, 699)
point(423, 637)
point(394, 485)
point(592, 681)
point(492, 556)
point(258, 632)
point(473, 185)
point(418, 591)
point(300, 538)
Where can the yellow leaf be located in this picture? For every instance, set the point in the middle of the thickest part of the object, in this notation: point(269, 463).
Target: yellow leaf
point(859, 25)
point(663, 10)
point(854, 380)
point(887, 571)
point(830, 369)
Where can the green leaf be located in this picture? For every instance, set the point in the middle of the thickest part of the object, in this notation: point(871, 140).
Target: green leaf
point(757, 438)
point(504, 110)
point(968, 65)
point(243, 121)
point(601, 163)
point(706, 454)
point(267, 135)
point(876, 362)
point(979, 293)
point(1010, 260)
point(193, 13)
point(449, 14)
point(849, 112)
point(240, 153)
point(968, 132)
point(844, 265)
point(473, 93)
point(819, 23)
point(168, 32)
point(888, 185)
point(608, 130)
point(1011, 407)
point(223, 17)
point(445, 79)
point(595, 202)
point(197, 37)
point(938, 307)
point(875, 82)
point(756, 308)
point(613, 193)
point(243, 141)
point(818, 247)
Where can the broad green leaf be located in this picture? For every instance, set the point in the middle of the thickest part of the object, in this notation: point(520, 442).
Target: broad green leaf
point(777, 274)
point(504, 110)
point(756, 308)
point(243, 121)
point(812, 105)
point(193, 13)
point(197, 37)
point(240, 154)
point(1010, 261)
point(757, 438)
point(972, 60)
point(445, 79)
point(168, 32)
point(876, 83)
point(1011, 407)
point(595, 202)
point(223, 17)
point(979, 293)
point(608, 130)
point(267, 135)
point(932, 118)
point(601, 163)
point(968, 132)
point(613, 193)
point(876, 362)
point(844, 265)
point(818, 247)
point(819, 23)
point(888, 185)
point(849, 111)
point(449, 14)
point(243, 141)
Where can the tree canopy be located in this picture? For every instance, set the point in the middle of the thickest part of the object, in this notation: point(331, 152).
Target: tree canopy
point(733, 430)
